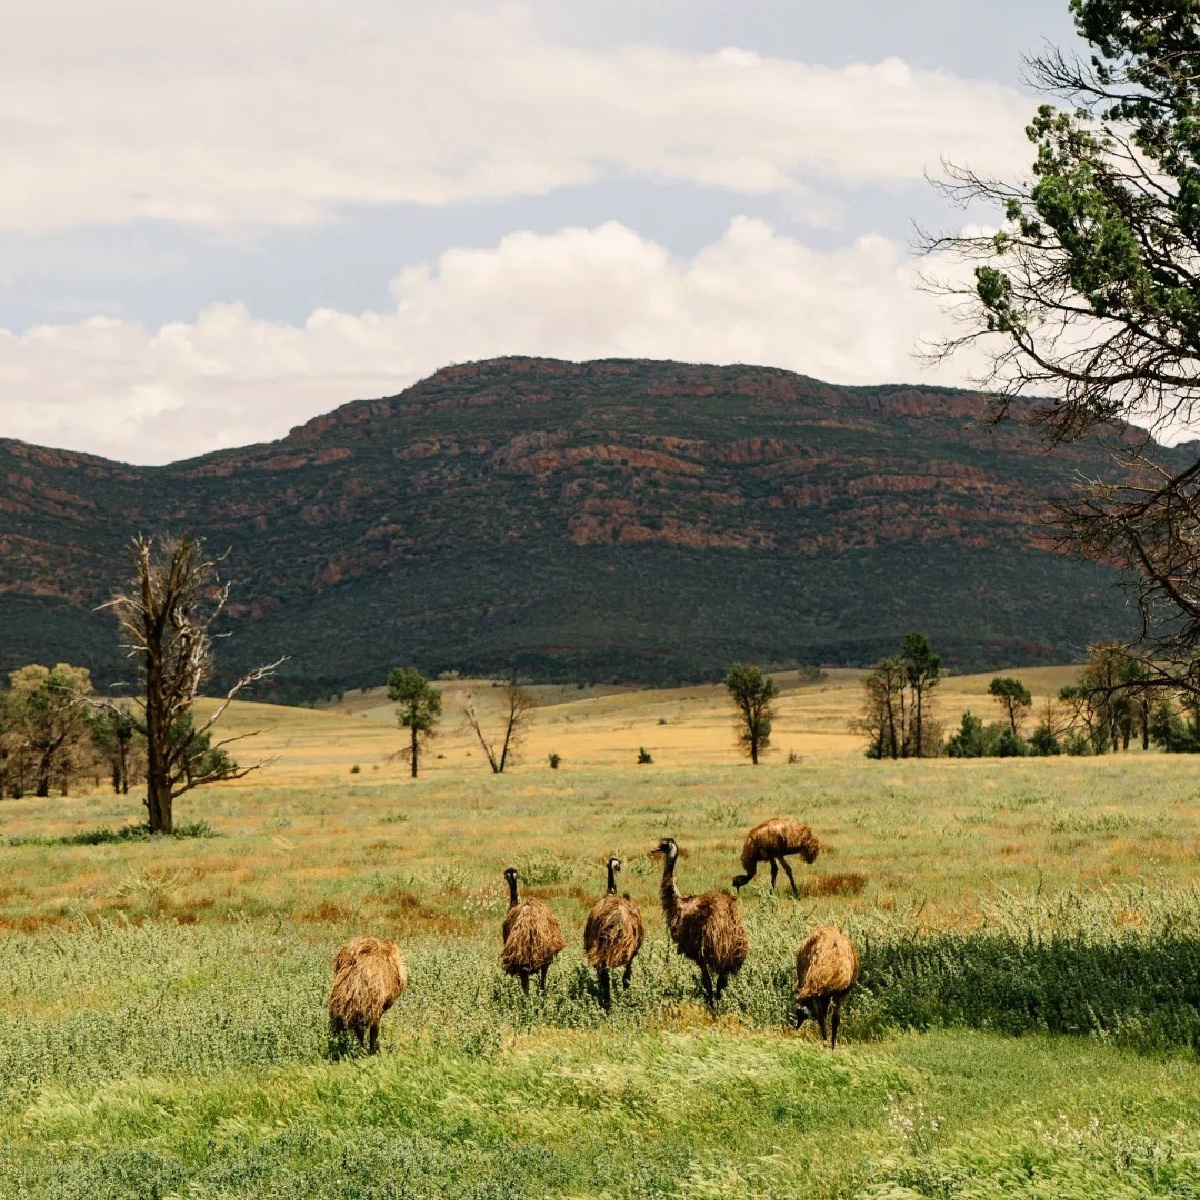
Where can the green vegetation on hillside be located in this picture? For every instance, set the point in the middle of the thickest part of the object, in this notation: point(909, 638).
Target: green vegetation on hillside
point(648, 522)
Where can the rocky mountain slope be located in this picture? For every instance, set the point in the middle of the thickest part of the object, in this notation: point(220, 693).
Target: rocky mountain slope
point(614, 519)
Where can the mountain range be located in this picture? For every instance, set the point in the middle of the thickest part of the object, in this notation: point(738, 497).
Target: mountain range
point(610, 520)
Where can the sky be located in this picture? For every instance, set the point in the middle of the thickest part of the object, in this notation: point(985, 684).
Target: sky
point(220, 218)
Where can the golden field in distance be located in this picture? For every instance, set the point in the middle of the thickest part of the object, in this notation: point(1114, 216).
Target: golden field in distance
point(307, 838)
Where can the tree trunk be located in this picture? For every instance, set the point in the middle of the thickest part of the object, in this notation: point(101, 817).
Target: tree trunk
point(43, 778)
point(920, 747)
point(891, 716)
point(158, 782)
point(414, 750)
point(753, 745)
point(1145, 706)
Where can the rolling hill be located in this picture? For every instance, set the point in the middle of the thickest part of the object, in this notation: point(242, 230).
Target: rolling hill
point(631, 520)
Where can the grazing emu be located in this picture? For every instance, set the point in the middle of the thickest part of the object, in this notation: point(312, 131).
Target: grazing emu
point(707, 929)
point(613, 935)
point(532, 936)
point(771, 842)
point(826, 969)
point(368, 977)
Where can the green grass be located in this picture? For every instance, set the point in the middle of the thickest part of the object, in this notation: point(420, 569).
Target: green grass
point(1027, 1023)
point(195, 1061)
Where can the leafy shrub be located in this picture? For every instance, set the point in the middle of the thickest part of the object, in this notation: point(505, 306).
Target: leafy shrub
point(555, 759)
point(644, 756)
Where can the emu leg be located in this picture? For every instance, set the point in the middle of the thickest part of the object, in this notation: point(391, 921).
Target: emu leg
point(774, 873)
point(628, 975)
point(722, 979)
point(605, 988)
point(358, 1033)
point(373, 1043)
point(542, 980)
point(835, 1019)
point(822, 1009)
point(706, 980)
point(525, 982)
point(791, 878)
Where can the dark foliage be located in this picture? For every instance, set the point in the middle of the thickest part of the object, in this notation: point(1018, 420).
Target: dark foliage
point(561, 521)
point(1143, 992)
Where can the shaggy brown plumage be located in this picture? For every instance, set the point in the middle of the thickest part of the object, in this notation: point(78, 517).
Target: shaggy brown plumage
point(532, 937)
point(613, 935)
point(826, 969)
point(707, 928)
point(368, 978)
point(771, 842)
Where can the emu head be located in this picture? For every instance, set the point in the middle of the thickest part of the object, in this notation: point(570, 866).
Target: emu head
point(740, 881)
point(804, 1013)
point(669, 849)
point(614, 863)
point(510, 873)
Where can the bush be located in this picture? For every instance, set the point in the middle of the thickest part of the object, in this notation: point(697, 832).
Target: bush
point(555, 759)
point(1170, 731)
point(644, 755)
point(974, 739)
point(1044, 742)
point(1009, 745)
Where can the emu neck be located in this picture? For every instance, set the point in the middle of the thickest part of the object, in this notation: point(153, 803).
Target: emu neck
point(612, 880)
point(670, 893)
point(512, 893)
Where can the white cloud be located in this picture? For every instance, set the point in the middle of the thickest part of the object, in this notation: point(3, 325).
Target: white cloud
point(219, 113)
point(754, 296)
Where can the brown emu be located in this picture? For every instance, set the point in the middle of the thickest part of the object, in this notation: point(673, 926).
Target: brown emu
point(368, 977)
point(532, 937)
point(771, 842)
point(707, 928)
point(826, 969)
point(613, 935)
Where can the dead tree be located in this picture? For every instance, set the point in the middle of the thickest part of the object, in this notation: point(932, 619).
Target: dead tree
point(166, 618)
point(518, 706)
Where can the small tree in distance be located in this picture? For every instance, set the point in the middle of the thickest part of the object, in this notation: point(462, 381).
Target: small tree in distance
point(518, 707)
point(419, 707)
point(752, 693)
point(923, 672)
point(1013, 696)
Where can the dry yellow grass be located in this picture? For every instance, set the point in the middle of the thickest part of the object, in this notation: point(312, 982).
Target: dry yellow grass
point(589, 727)
point(307, 840)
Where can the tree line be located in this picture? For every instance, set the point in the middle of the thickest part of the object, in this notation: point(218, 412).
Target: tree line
point(1116, 701)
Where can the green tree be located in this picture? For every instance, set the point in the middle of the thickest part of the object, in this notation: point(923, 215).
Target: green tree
point(753, 695)
point(120, 746)
point(1088, 296)
point(50, 715)
point(419, 707)
point(882, 717)
point(923, 672)
point(1013, 696)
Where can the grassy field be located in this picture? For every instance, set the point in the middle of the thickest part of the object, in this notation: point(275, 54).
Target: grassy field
point(1027, 1024)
